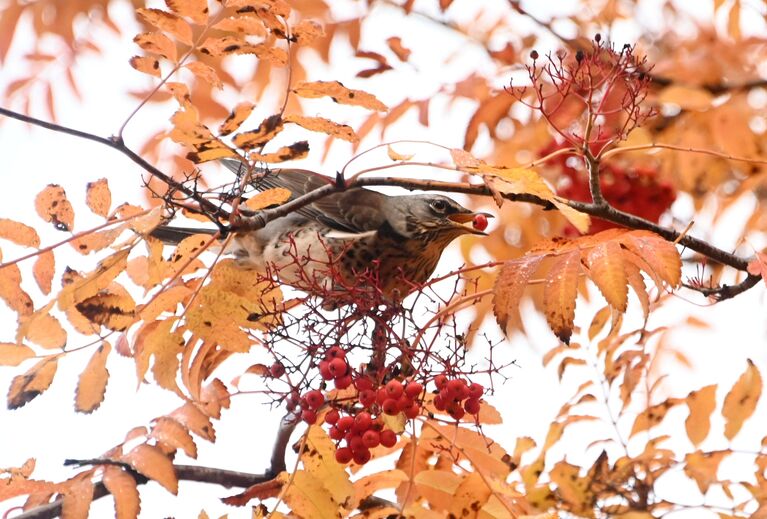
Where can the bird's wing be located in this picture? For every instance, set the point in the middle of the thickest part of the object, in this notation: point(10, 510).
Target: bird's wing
point(354, 210)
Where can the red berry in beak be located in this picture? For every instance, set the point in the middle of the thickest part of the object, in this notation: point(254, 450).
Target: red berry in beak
point(480, 222)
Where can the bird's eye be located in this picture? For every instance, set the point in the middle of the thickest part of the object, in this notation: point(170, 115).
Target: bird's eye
point(439, 206)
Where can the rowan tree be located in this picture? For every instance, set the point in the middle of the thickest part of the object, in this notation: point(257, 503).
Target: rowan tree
point(622, 152)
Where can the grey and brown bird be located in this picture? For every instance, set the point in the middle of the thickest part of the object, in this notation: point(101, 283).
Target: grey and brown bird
point(351, 235)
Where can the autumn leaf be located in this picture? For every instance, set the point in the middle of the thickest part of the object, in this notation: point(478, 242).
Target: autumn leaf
point(396, 46)
point(52, 206)
point(653, 415)
point(93, 381)
point(270, 197)
point(146, 65)
point(171, 435)
point(559, 295)
point(319, 460)
point(154, 464)
point(167, 22)
point(236, 117)
point(320, 124)
point(437, 487)
point(471, 494)
point(297, 150)
point(758, 266)
point(43, 271)
point(265, 132)
point(740, 402)
point(701, 404)
point(339, 93)
point(605, 262)
point(77, 497)
point(308, 497)
point(14, 354)
point(205, 73)
point(509, 287)
point(196, 10)
point(18, 233)
point(123, 488)
point(24, 388)
point(112, 310)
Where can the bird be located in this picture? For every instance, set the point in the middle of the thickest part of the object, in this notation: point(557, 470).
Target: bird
point(348, 238)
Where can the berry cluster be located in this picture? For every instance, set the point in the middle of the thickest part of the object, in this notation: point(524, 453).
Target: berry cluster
point(361, 433)
point(457, 397)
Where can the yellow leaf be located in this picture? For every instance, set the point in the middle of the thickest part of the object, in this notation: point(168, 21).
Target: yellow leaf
point(115, 311)
point(122, 486)
point(257, 138)
point(701, 404)
point(95, 241)
point(195, 420)
point(18, 233)
point(34, 382)
point(52, 206)
point(471, 494)
point(228, 45)
point(339, 93)
point(11, 292)
point(167, 22)
point(319, 460)
point(98, 197)
point(237, 116)
point(598, 322)
point(268, 198)
point(573, 489)
point(45, 267)
point(156, 340)
point(14, 354)
point(559, 293)
point(308, 497)
point(93, 381)
point(740, 402)
point(43, 329)
point(438, 487)
point(605, 262)
point(320, 124)
point(171, 433)
point(154, 464)
point(368, 485)
point(90, 285)
point(165, 301)
point(703, 466)
point(146, 65)
point(297, 150)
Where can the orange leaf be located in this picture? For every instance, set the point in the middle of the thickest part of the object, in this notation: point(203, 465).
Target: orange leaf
point(93, 381)
point(18, 233)
point(319, 460)
point(368, 485)
point(573, 488)
point(297, 150)
point(157, 43)
point(146, 65)
point(45, 267)
point(559, 295)
point(307, 31)
point(308, 497)
point(471, 494)
point(598, 322)
point(34, 382)
point(11, 292)
point(393, 155)
point(758, 266)
point(14, 354)
point(659, 253)
point(122, 486)
point(438, 487)
point(43, 329)
point(95, 241)
point(606, 270)
point(703, 466)
point(260, 491)
point(77, 497)
point(265, 132)
point(237, 116)
point(701, 404)
point(320, 124)
point(154, 464)
point(339, 94)
point(196, 10)
point(167, 22)
point(653, 415)
point(195, 420)
point(509, 287)
point(171, 433)
point(740, 402)
point(228, 45)
point(270, 197)
point(52, 206)
point(205, 72)
point(245, 25)
point(395, 45)
point(98, 197)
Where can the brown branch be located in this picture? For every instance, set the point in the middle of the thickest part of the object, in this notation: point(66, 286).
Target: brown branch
point(118, 144)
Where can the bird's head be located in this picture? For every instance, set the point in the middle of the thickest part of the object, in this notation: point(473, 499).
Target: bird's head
point(423, 216)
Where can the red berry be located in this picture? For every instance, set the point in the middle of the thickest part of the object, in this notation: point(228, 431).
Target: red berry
point(404, 402)
point(388, 438)
point(344, 455)
point(335, 353)
point(471, 406)
point(343, 382)
point(476, 390)
point(345, 423)
point(367, 397)
point(440, 381)
point(362, 421)
point(335, 433)
point(314, 399)
point(455, 388)
point(363, 383)
point(277, 370)
point(480, 222)
point(412, 411)
point(390, 407)
point(309, 416)
point(413, 389)
point(455, 410)
point(381, 395)
point(394, 389)
point(325, 370)
point(439, 403)
point(361, 457)
point(371, 439)
point(338, 367)
point(332, 416)
point(356, 444)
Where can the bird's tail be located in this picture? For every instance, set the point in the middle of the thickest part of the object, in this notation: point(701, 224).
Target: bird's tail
point(173, 235)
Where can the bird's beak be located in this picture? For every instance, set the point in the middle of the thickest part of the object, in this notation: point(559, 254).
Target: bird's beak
point(460, 219)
